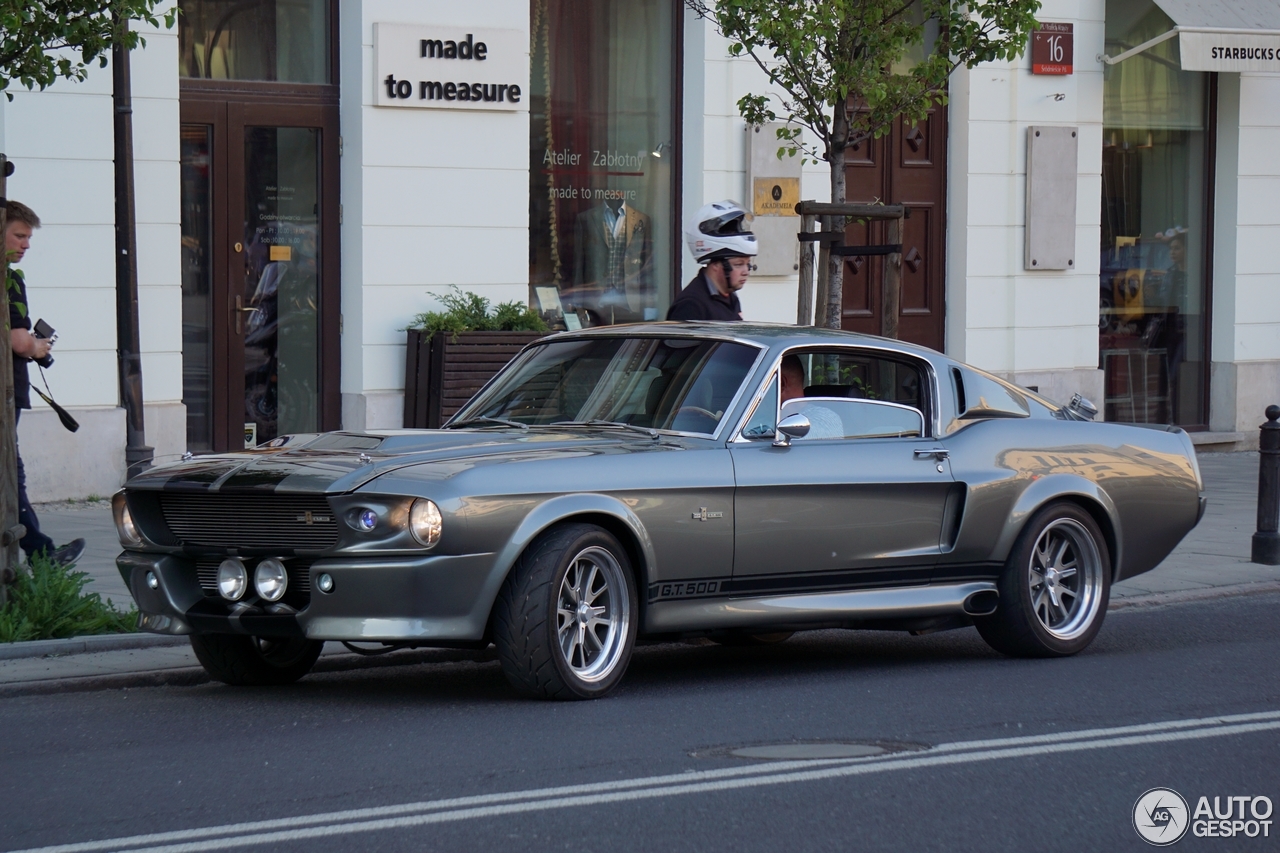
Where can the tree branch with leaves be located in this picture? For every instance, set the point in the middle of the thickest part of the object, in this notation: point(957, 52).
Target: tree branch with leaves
point(846, 70)
point(43, 40)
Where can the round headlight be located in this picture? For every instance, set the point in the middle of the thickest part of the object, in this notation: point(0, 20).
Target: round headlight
point(425, 522)
point(232, 579)
point(125, 528)
point(270, 579)
point(367, 520)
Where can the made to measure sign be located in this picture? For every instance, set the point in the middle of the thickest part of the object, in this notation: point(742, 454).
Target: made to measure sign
point(1052, 48)
point(447, 67)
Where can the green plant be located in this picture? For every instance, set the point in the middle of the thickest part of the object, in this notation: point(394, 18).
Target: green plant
point(48, 602)
point(471, 312)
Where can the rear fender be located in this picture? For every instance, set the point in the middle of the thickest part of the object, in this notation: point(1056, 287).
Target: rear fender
point(1045, 490)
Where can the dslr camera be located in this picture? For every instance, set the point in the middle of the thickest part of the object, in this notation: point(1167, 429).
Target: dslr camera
point(43, 330)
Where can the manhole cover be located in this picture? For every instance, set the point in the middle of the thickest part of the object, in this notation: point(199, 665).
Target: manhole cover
point(802, 751)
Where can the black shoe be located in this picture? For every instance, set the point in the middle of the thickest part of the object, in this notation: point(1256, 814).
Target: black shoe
point(68, 554)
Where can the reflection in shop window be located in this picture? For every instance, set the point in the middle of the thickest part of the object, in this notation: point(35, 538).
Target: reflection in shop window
point(1152, 316)
point(600, 209)
point(270, 40)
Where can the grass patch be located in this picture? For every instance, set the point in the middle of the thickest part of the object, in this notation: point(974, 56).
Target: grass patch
point(48, 602)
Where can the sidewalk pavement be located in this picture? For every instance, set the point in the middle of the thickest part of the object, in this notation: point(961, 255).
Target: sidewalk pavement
point(1213, 560)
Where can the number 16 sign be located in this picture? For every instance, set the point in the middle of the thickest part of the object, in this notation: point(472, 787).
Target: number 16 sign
point(1052, 48)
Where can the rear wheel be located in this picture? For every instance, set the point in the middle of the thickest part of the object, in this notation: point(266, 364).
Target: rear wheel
point(255, 661)
point(1054, 589)
point(565, 622)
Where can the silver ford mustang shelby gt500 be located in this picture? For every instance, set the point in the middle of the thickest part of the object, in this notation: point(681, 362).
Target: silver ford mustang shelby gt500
point(730, 481)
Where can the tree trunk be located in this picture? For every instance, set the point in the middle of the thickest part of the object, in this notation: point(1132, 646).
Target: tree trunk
point(834, 309)
point(9, 529)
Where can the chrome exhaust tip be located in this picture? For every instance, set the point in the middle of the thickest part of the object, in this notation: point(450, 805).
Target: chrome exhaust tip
point(982, 603)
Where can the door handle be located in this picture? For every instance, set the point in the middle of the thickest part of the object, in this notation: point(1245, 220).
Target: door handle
point(938, 453)
point(240, 309)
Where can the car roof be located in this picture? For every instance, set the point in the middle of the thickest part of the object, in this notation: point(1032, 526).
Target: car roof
point(769, 335)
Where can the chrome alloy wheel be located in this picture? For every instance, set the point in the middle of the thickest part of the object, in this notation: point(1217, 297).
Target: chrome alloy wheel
point(1065, 579)
point(593, 614)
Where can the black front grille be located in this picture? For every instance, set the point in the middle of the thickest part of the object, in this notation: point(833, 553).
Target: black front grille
point(287, 522)
point(296, 595)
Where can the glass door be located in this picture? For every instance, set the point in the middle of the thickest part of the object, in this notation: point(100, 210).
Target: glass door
point(277, 303)
point(260, 286)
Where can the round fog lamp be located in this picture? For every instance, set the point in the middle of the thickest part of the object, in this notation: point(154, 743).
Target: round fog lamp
point(232, 579)
point(367, 520)
point(425, 522)
point(270, 579)
point(325, 582)
point(152, 580)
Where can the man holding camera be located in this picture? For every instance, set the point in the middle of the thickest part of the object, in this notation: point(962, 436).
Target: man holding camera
point(21, 222)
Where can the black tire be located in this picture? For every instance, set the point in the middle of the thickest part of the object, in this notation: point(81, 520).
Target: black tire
point(546, 650)
point(740, 638)
point(1056, 613)
point(254, 661)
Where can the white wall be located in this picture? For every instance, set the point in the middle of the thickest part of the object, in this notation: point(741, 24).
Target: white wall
point(1035, 327)
point(1245, 376)
point(61, 141)
point(715, 156)
point(430, 198)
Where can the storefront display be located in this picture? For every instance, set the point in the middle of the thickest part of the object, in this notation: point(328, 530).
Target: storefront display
point(1155, 186)
point(601, 180)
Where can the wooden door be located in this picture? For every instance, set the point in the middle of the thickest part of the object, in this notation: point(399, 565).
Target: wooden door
point(907, 166)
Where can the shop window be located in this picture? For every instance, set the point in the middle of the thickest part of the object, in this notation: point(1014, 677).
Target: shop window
point(283, 41)
point(1156, 144)
point(601, 201)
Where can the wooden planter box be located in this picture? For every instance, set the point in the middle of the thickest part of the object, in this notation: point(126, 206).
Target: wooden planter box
point(442, 373)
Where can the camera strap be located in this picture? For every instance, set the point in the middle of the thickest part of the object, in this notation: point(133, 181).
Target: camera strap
point(63, 415)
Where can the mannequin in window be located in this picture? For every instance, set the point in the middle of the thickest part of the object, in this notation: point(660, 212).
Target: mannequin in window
point(613, 257)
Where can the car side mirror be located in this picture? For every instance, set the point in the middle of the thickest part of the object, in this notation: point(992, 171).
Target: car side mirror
point(792, 426)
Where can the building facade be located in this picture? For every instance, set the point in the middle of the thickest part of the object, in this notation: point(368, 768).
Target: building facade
point(312, 174)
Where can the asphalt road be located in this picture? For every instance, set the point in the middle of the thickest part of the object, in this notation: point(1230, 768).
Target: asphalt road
point(984, 753)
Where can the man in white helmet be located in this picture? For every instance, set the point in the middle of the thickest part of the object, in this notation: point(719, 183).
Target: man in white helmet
point(719, 242)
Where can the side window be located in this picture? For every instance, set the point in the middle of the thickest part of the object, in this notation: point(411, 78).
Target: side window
point(982, 396)
point(764, 420)
point(861, 374)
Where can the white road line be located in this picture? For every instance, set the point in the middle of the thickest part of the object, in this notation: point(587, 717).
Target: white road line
point(773, 773)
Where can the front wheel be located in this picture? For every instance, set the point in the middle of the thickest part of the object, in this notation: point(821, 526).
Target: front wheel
point(1054, 588)
point(255, 661)
point(565, 622)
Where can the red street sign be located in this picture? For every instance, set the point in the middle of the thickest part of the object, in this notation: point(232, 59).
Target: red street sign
point(1052, 49)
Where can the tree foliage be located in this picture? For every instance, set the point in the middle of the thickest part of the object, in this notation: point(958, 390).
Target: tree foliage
point(43, 40)
point(847, 69)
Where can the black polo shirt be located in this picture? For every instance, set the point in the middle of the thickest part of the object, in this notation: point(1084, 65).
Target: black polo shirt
point(19, 318)
point(701, 301)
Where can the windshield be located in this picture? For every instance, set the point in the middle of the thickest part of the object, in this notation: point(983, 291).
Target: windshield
point(678, 384)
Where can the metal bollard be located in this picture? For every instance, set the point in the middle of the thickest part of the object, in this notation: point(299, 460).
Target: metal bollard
point(1266, 542)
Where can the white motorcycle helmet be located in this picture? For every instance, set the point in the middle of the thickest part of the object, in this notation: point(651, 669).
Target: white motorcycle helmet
point(717, 233)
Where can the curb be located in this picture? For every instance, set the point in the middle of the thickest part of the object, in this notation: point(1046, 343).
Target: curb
point(195, 676)
point(87, 645)
point(1159, 599)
